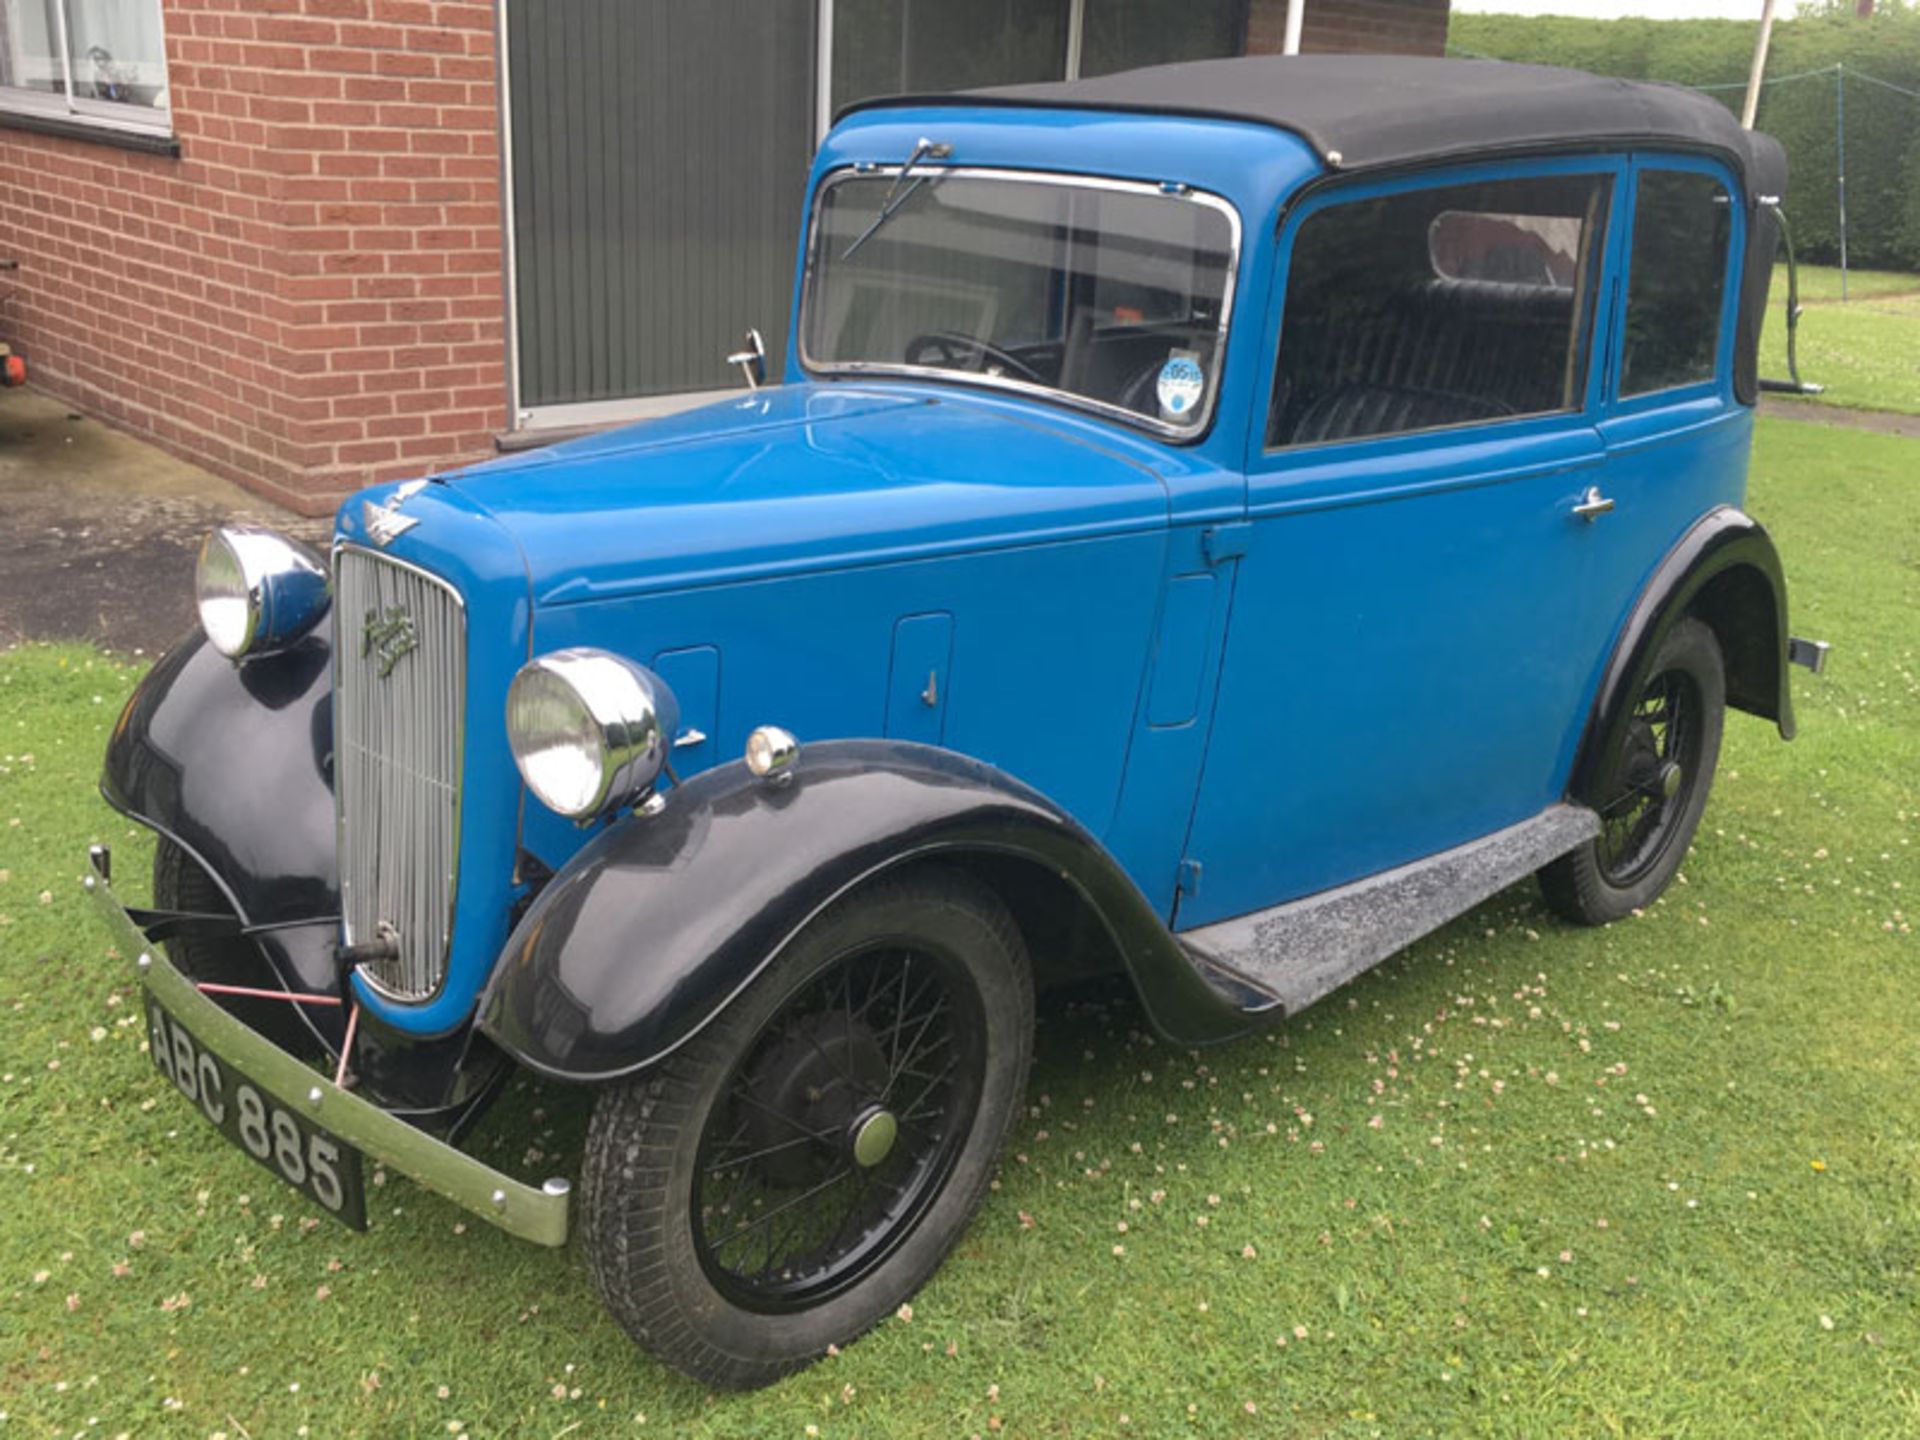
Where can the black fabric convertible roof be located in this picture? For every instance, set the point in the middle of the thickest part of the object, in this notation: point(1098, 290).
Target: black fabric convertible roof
point(1366, 111)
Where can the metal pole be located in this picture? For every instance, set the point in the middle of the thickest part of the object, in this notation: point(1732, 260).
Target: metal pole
point(906, 42)
point(823, 71)
point(66, 54)
point(1840, 142)
point(1759, 65)
point(1296, 13)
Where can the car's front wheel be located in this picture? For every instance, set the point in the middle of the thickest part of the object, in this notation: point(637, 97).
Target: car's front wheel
point(1662, 769)
point(799, 1167)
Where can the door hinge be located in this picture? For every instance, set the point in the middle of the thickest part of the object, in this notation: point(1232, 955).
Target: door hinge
point(1221, 543)
point(1186, 880)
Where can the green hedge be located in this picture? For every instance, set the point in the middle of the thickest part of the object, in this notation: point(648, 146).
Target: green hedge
point(1882, 127)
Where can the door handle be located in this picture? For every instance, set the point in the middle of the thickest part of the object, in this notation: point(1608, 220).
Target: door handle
point(1593, 504)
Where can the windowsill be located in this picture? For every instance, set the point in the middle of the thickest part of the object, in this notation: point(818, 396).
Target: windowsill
point(73, 127)
point(514, 442)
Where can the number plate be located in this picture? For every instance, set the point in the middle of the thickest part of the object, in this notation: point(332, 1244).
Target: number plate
point(292, 1147)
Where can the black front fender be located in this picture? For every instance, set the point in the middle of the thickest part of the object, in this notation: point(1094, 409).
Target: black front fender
point(653, 928)
point(234, 763)
point(1726, 572)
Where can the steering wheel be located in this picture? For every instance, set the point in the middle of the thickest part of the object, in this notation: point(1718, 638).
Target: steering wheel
point(1138, 394)
point(951, 350)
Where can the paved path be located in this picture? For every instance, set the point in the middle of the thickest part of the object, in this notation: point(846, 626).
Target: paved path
point(1785, 407)
point(98, 530)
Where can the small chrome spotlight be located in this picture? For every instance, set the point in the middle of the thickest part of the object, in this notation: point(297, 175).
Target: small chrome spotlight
point(771, 752)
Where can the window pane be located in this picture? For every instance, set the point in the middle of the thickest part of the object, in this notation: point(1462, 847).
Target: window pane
point(1681, 225)
point(116, 51)
point(1109, 296)
point(1123, 34)
point(1439, 307)
point(887, 47)
point(1519, 249)
point(30, 46)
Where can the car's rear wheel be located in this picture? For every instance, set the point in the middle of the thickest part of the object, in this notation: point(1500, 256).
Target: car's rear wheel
point(181, 884)
point(1661, 772)
point(798, 1168)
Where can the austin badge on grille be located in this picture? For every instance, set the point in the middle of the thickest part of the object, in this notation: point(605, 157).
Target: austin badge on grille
point(388, 635)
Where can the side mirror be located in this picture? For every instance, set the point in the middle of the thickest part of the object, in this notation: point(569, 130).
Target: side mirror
point(752, 360)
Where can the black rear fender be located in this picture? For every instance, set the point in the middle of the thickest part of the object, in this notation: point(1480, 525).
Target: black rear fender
point(1726, 572)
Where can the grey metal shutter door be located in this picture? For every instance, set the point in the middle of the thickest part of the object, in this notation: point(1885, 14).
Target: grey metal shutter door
point(659, 155)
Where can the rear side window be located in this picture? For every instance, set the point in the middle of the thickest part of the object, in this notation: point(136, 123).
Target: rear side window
point(1682, 221)
point(1444, 306)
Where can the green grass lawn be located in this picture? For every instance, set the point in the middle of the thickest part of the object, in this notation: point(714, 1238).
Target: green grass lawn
point(1526, 1180)
point(1866, 350)
point(1821, 283)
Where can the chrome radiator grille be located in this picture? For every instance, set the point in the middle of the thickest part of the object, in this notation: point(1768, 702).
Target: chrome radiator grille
point(400, 646)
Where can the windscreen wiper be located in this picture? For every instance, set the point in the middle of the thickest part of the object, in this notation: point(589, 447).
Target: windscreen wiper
point(923, 149)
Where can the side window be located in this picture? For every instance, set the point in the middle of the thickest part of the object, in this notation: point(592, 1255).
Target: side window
point(1681, 224)
point(1440, 306)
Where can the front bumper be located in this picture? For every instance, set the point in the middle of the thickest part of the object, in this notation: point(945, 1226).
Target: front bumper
point(536, 1214)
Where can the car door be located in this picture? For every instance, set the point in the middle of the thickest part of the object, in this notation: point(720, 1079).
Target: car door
point(1411, 634)
point(1676, 439)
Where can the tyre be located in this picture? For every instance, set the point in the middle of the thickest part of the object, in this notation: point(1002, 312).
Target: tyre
point(1661, 773)
point(181, 884)
point(800, 1166)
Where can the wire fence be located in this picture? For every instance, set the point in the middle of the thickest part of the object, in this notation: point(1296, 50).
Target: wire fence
point(1840, 73)
point(1839, 67)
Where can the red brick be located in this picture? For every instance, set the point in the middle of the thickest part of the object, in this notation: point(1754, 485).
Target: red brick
point(294, 31)
point(272, 108)
point(345, 113)
point(366, 452)
point(396, 62)
point(391, 427)
point(375, 87)
point(343, 60)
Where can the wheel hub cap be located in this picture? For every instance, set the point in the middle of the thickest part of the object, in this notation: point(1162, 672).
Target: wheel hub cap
point(873, 1136)
point(1670, 777)
point(820, 1079)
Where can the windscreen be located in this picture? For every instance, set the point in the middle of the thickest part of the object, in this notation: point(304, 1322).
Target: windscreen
point(1106, 295)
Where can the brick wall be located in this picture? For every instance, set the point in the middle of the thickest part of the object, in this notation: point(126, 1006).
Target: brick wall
point(1386, 27)
point(311, 296)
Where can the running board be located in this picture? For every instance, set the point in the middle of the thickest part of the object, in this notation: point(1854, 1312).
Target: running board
point(1286, 958)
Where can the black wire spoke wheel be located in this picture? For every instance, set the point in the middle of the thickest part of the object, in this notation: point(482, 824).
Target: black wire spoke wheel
point(837, 1127)
point(805, 1160)
point(1662, 750)
point(1655, 784)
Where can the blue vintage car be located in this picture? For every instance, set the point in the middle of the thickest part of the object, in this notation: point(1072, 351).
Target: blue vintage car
point(1219, 523)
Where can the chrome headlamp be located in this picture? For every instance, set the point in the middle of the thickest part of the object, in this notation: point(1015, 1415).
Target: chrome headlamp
point(257, 590)
point(589, 729)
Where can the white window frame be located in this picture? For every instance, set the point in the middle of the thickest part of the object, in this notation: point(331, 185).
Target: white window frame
point(69, 109)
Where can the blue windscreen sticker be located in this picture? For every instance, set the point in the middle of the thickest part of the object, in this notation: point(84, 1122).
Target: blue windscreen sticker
point(1182, 383)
